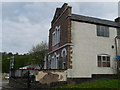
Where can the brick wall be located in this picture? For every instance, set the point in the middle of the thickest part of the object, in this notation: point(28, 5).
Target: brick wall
point(62, 18)
point(64, 21)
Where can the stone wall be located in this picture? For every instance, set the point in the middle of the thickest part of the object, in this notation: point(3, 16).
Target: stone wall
point(21, 84)
point(49, 76)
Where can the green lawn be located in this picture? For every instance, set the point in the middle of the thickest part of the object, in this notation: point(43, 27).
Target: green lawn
point(110, 83)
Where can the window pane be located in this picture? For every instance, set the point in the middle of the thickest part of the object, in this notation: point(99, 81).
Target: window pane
point(107, 31)
point(99, 57)
point(102, 31)
point(118, 31)
point(108, 64)
point(99, 61)
point(108, 59)
point(104, 64)
point(98, 30)
point(104, 58)
point(99, 64)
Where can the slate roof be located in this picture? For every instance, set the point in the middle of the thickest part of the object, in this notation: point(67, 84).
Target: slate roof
point(92, 20)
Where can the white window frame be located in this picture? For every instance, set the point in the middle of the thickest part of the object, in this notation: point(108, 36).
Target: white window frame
point(101, 61)
point(64, 66)
point(49, 62)
point(53, 38)
point(57, 61)
point(52, 62)
point(63, 55)
point(56, 36)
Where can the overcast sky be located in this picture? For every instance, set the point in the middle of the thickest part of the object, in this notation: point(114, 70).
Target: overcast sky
point(25, 24)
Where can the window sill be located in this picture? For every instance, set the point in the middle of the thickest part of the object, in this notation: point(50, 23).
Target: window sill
point(103, 36)
point(104, 67)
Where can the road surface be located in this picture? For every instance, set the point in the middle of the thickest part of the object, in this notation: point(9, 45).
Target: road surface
point(0, 82)
point(4, 83)
point(0, 85)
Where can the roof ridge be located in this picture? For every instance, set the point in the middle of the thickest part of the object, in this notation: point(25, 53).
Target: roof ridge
point(94, 20)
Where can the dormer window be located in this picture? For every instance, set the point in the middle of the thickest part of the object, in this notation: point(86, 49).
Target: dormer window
point(56, 36)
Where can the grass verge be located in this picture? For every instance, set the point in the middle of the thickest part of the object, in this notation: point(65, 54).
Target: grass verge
point(109, 83)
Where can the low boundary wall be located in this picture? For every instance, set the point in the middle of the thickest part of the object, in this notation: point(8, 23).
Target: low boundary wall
point(49, 76)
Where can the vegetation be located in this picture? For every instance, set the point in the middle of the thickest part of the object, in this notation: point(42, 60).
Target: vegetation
point(19, 61)
point(38, 53)
point(110, 83)
point(35, 56)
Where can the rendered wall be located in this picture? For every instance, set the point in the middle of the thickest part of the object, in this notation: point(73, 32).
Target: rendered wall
point(87, 45)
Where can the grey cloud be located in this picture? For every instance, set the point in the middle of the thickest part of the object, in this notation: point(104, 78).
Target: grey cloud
point(119, 9)
point(11, 9)
point(21, 36)
point(41, 11)
point(27, 24)
point(35, 12)
point(105, 10)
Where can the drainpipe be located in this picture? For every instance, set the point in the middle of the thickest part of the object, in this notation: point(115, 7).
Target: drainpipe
point(116, 52)
point(117, 20)
point(116, 47)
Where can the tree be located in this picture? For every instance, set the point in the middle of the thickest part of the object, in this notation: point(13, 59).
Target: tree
point(38, 53)
point(6, 61)
point(19, 60)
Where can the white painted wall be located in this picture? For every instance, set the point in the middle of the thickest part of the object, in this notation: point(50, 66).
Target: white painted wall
point(87, 45)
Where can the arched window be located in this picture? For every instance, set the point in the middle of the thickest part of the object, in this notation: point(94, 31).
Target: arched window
point(52, 62)
point(64, 52)
point(64, 58)
point(55, 65)
point(57, 61)
point(103, 60)
point(56, 36)
point(49, 62)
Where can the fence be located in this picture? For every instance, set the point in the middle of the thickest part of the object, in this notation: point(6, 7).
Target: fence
point(30, 78)
point(22, 78)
